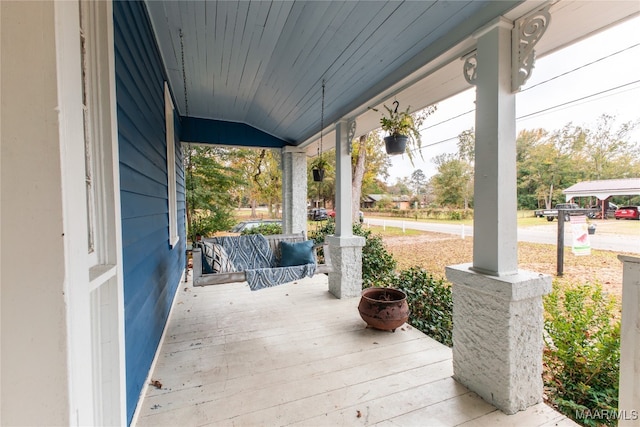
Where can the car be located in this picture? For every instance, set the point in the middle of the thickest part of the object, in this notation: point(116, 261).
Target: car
point(569, 210)
point(332, 214)
point(627, 212)
point(248, 225)
point(317, 214)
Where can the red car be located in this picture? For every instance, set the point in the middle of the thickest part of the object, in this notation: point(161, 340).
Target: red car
point(627, 212)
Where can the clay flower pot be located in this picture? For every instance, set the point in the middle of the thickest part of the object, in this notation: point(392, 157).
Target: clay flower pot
point(384, 308)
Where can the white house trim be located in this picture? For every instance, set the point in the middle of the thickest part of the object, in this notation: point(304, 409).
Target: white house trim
point(74, 207)
point(171, 167)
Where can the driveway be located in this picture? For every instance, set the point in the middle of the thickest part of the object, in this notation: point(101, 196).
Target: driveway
point(537, 234)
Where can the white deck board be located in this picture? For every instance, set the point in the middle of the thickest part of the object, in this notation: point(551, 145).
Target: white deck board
point(295, 355)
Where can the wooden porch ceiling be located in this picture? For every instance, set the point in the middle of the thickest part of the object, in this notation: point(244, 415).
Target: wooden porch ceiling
point(261, 63)
point(295, 355)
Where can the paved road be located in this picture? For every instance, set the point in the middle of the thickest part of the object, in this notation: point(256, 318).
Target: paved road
point(537, 234)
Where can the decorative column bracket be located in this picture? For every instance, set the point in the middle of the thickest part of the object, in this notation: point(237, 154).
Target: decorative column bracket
point(525, 35)
point(470, 69)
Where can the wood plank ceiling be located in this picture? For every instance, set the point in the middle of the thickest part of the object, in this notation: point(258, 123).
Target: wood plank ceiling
point(262, 62)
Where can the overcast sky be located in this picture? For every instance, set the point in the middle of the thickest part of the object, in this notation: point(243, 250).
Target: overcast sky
point(540, 103)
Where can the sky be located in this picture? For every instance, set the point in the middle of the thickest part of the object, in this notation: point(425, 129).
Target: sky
point(545, 101)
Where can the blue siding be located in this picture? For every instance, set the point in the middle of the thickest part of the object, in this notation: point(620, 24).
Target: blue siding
point(226, 133)
point(152, 270)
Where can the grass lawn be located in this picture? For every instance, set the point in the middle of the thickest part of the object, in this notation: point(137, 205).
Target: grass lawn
point(434, 251)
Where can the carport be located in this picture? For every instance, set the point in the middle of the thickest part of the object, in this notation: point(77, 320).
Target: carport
point(603, 189)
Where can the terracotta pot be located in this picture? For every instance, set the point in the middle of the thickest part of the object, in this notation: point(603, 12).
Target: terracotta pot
point(384, 308)
point(395, 144)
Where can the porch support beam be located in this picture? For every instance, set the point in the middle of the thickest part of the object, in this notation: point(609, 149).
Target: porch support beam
point(294, 190)
point(629, 391)
point(343, 181)
point(345, 249)
point(495, 201)
point(497, 309)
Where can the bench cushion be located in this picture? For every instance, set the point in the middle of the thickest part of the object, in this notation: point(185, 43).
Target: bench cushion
point(247, 252)
point(215, 259)
point(298, 253)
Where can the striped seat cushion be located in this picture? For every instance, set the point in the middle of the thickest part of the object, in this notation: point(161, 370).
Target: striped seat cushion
point(215, 259)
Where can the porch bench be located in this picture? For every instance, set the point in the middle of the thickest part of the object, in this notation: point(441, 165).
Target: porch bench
point(200, 278)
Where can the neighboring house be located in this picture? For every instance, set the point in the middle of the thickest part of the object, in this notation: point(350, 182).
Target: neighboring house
point(370, 200)
point(402, 202)
point(98, 98)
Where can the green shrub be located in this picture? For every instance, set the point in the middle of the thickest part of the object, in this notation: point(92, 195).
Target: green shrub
point(377, 263)
point(430, 303)
point(455, 215)
point(264, 229)
point(582, 354)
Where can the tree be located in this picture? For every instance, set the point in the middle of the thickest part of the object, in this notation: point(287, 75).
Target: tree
point(550, 162)
point(208, 190)
point(370, 166)
point(418, 181)
point(605, 148)
point(261, 172)
point(356, 179)
point(450, 184)
point(453, 184)
point(402, 187)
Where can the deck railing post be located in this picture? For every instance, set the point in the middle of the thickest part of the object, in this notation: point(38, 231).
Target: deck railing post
point(629, 392)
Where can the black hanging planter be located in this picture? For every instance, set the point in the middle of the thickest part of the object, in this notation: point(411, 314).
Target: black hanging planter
point(395, 144)
point(318, 175)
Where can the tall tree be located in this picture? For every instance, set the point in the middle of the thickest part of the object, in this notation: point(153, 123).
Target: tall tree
point(356, 179)
point(451, 183)
point(418, 181)
point(208, 189)
point(262, 174)
point(605, 147)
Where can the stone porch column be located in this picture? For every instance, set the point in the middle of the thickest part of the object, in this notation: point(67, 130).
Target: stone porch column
point(497, 310)
point(629, 393)
point(346, 249)
point(294, 190)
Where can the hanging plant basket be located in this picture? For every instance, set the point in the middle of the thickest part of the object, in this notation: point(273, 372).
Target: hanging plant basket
point(318, 175)
point(395, 144)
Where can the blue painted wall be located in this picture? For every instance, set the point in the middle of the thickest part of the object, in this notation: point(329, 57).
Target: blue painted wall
point(226, 133)
point(152, 269)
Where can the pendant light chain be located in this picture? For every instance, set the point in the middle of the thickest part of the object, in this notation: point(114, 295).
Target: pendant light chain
point(184, 75)
point(321, 120)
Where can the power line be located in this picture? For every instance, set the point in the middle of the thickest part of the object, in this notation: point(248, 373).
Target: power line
point(581, 67)
point(547, 81)
point(527, 115)
point(577, 100)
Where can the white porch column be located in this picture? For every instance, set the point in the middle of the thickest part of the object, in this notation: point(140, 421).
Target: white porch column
point(497, 310)
point(294, 190)
point(629, 392)
point(495, 197)
point(346, 249)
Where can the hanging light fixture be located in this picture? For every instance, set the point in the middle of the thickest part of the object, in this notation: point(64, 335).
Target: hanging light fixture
point(319, 164)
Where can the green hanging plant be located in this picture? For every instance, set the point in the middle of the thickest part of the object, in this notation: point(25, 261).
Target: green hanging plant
point(404, 128)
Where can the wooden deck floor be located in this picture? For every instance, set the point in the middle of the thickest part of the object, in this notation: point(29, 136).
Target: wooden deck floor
point(295, 355)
